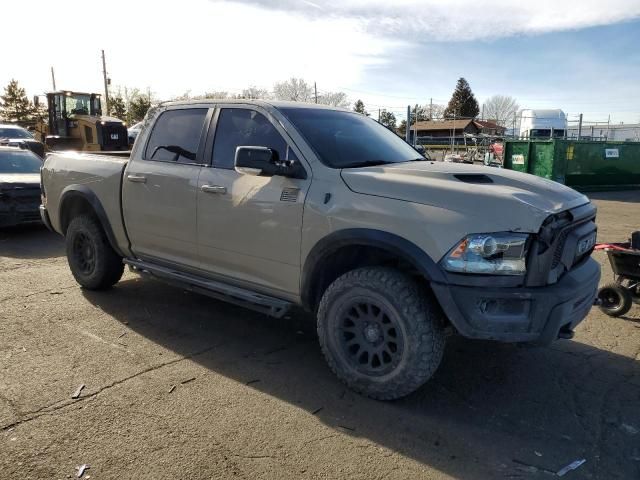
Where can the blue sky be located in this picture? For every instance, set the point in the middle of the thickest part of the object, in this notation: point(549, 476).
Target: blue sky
point(593, 70)
point(577, 55)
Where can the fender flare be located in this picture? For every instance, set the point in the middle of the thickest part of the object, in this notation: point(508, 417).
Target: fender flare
point(84, 192)
point(399, 246)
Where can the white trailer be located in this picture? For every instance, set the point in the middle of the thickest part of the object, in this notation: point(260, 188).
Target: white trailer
point(542, 123)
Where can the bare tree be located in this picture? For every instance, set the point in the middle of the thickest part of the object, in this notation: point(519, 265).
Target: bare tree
point(295, 89)
point(217, 94)
point(255, 93)
point(334, 99)
point(500, 108)
point(433, 111)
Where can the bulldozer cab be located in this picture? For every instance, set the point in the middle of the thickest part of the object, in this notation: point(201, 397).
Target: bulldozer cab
point(75, 121)
point(61, 105)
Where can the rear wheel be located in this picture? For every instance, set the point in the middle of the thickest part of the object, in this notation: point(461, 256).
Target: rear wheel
point(380, 332)
point(615, 300)
point(93, 263)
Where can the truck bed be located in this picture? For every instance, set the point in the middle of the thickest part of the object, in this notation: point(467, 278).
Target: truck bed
point(95, 176)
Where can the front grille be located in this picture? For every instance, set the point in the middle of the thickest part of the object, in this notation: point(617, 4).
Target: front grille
point(113, 136)
point(557, 253)
point(554, 250)
point(29, 216)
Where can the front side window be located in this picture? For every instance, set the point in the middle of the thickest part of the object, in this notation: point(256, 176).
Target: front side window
point(19, 161)
point(176, 136)
point(242, 127)
point(347, 139)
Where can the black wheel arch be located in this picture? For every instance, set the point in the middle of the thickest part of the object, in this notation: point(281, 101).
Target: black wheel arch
point(323, 264)
point(80, 199)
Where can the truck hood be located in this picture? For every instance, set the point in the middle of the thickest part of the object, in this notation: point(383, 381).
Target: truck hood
point(513, 200)
point(20, 182)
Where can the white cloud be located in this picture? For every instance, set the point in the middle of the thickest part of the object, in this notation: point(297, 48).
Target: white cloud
point(456, 20)
point(173, 47)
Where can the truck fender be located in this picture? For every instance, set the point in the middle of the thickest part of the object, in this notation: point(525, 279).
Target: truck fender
point(394, 244)
point(74, 191)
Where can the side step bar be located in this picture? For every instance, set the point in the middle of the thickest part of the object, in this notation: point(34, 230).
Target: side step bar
point(272, 306)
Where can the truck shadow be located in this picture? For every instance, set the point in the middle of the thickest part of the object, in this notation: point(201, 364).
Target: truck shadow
point(30, 242)
point(492, 410)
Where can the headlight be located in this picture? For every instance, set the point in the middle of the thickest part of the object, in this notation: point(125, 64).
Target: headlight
point(489, 253)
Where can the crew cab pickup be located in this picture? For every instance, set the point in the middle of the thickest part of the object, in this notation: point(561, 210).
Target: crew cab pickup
point(273, 205)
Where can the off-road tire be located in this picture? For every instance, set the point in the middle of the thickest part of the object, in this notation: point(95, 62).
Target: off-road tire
point(615, 300)
point(93, 263)
point(419, 322)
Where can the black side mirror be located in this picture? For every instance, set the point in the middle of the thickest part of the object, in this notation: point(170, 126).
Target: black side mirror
point(263, 161)
point(255, 160)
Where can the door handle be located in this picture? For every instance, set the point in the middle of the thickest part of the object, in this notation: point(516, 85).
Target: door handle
point(137, 178)
point(213, 189)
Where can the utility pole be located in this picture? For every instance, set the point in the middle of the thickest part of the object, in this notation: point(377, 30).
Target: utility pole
point(482, 114)
point(415, 130)
point(580, 127)
point(378, 115)
point(431, 108)
point(606, 138)
point(53, 79)
point(315, 89)
point(106, 84)
point(407, 132)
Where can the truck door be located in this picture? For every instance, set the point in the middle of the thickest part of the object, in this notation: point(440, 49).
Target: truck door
point(249, 227)
point(159, 189)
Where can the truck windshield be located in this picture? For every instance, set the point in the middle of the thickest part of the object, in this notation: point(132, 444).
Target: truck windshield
point(347, 140)
point(19, 161)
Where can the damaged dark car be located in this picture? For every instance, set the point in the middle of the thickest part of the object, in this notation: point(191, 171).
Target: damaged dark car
point(19, 187)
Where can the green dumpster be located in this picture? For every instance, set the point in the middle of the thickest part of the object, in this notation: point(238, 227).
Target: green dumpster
point(585, 165)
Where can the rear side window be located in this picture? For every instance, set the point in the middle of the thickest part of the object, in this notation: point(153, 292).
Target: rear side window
point(176, 136)
point(242, 127)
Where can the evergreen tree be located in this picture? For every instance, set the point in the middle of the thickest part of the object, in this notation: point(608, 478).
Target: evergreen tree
point(117, 106)
point(388, 119)
point(138, 107)
point(463, 103)
point(359, 107)
point(14, 104)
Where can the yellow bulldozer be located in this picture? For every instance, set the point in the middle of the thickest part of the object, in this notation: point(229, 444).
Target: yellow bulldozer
point(75, 122)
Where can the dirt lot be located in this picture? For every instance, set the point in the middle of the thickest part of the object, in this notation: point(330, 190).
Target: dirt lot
point(182, 386)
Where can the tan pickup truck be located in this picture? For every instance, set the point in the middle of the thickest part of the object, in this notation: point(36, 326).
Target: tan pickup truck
point(272, 205)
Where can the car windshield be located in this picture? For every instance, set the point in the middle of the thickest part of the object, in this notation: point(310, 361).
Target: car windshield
point(12, 132)
point(19, 161)
point(345, 140)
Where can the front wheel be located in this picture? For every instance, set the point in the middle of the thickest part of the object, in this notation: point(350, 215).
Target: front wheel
point(615, 300)
point(93, 263)
point(380, 333)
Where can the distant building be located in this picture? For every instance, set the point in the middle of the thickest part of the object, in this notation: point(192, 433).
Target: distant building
point(441, 131)
point(629, 132)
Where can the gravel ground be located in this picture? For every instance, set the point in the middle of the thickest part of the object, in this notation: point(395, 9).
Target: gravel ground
point(178, 385)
